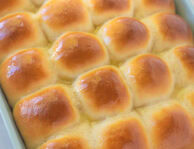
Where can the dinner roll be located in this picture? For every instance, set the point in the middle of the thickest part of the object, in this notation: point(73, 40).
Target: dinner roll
point(144, 8)
point(43, 113)
point(74, 138)
point(149, 77)
point(58, 16)
point(169, 30)
point(75, 52)
point(186, 97)
point(102, 10)
point(25, 72)
point(125, 37)
point(181, 62)
point(103, 92)
point(17, 31)
point(121, 133)
point(169, 126)
point(9, 6)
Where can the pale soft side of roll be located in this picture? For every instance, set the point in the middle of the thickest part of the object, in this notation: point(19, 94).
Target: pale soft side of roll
point(103, 92)
point(169, 126)
point(76, 52)
point(181, 62)
point(59, 16)
point(149, 77)
point(125, 37)
point(145, 8)
point(18, 31)
point(168, 30)
point(10, 6)
point(24, 72)
point(121, 132)
point(38, 3)
point(44, 113)
point(103, 10)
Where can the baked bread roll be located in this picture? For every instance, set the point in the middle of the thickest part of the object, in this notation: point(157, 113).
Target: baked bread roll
point(181, 62)
point(103, 92)
point(103, 10)
point(127, 132)
point(58, 16)
point(25, 72)
point(125, 37)
point(9, 6)
point(144, 8)
point(76, 138)
point(169, 126)
point(169, 30)
point(43, 113)
point(76, 52)
point(19, 31)
point(149, 77)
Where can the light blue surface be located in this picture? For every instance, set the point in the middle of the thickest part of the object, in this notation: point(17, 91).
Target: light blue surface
point(184, 7)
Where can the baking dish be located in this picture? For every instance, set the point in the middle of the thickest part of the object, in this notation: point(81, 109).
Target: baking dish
point(184, 7)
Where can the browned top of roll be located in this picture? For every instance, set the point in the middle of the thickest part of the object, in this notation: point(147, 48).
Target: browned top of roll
point(44, 112)
point(103, 6)
point(173, 129)
point(66, 143)
point(151, 74)
point(15, 30)
point(127, 134)
point(104, 89)
point(77, 50)
point(24, 69)
point(60, 13)
point(186, 56)
point(173, 27)
point(127, 32)
point(159, 3)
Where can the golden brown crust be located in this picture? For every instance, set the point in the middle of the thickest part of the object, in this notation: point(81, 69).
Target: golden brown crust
point(66, 143)
point(15, 31)
point(104, 89)
point(44, 112)
point(173, 27)
point(125, 36)
point(102, 6)
point(77, 51)
point(59, 14)
point(125, 134)
point(173, 129)
point(24, 72)
point(151, 75)
point(186, 56)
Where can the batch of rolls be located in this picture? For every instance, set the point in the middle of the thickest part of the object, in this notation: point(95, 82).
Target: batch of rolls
point(98, 74)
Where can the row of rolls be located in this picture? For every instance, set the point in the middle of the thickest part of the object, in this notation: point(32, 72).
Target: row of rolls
point(110, 82)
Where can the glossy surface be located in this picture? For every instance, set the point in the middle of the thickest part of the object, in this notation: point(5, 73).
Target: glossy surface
point(149, 76)
point(186, 56)
point(104, 89)
point(125, 37)
point(128, 134)
point(59, 14)
point(44, 113)
point(159, 3)
point(15, 31)
point(173, 129)
point(66, 143)
point(24, 71)
point(76, 52)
